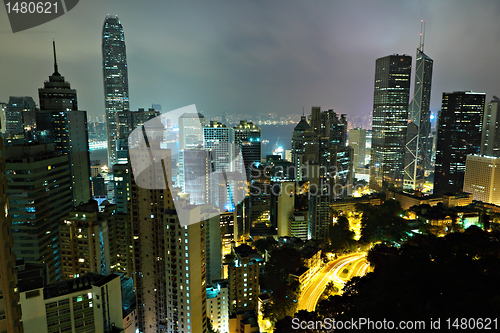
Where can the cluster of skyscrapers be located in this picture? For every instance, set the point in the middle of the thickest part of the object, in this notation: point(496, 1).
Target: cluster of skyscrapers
point(79, 258)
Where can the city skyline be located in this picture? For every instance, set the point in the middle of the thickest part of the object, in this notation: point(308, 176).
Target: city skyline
point(231, 58)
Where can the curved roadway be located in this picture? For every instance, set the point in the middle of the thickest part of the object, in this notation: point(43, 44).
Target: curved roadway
point(331, 271)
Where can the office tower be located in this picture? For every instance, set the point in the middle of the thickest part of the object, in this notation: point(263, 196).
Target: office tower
point(482, 178)
point(38, 203)
point(121, 182)
point(218, 305)
point(459, 135)
point(341, 172)
point(298, 225)
point(169, 274)
point(227, 231)
point(80, 241)
point(66, 127)
point(195, 175)
point(91, 303)
point(219, 139)
point(95, 168)
point(418, 144)
point(13, 132)
point(191, 130)
point(320, 217)
point(286, 205)
point(98, 187)
point(248, 137)
point(127, 121)
point(357, 140)
point(115, 73)
point(259, 209)
point(490, 139)
point(10, 320)
point(331, 132)
point(390, 119)
point(304, 146)
point(244, 280)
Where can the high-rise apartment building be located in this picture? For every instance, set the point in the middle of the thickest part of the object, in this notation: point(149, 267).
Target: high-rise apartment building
point(10, 310)
point(115, 73)
point(39, 191)
point(121, 182)
point(320, 217)
point(218, 305)
point(80, 239)
point(90, 303)
point(248, 137)
point(244, 280)
point(482, 178)
point(389, 121)
point(490, 139)
point(169, 260)
point(459, 135)
point(418, 144)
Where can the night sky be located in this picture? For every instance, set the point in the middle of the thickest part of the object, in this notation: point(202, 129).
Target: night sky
point(256, 56)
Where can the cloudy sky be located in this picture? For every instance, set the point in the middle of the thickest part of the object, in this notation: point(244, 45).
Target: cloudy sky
point(256, 56)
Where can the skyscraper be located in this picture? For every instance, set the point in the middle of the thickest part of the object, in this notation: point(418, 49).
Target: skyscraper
point(304, 146)
point(114, 67)
point(191, 130)
point(490, 140)
point(248, 137)
point(169, 260)
point(10, 320)
point(459, 135)
point(38, 203)
point(219, 139)
point(59, 122)
point(14, 118)
point(357, 140)
point(390, 119)
point(418, 144)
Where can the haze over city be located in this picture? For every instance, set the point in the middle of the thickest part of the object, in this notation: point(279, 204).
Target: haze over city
point(257, 57)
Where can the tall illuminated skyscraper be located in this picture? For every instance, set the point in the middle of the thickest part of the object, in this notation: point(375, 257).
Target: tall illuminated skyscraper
point(459, 135)
point(418, 144)
point(114, 67)
point(390, 119)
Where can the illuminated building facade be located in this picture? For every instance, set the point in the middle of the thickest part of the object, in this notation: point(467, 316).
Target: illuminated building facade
point(115, 73)
point(38, 203)
point(459, 135)
point(248, 137)
point(490, 140)
point(418, 150)
point(482, 178)
point(390, 120)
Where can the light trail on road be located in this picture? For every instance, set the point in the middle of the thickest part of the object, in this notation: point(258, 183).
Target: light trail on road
point(313, 290)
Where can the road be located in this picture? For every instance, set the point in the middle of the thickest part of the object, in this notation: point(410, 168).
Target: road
point(332, 271)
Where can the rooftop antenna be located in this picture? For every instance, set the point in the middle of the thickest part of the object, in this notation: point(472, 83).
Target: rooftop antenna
point(422, 36)
point(303, 112)
point(56, 72)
